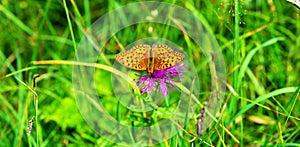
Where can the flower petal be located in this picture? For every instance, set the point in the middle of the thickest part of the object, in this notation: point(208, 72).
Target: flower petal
point(162, 78)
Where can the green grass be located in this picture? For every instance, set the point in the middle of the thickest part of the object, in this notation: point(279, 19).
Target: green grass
point(261, 49)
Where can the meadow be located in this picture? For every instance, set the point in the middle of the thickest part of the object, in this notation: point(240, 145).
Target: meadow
point(61, 84)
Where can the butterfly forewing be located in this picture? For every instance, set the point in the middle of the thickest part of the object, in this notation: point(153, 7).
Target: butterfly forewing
point(135, 58)
point(165, 57)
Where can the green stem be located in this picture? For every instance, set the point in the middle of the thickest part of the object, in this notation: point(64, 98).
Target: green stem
point(236, 46)
point(235, 61)
point(70, 26)
point(36, 101)
point(167, 101)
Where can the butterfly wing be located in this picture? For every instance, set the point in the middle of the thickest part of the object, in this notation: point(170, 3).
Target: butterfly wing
point(136, 58)
point(165, 57)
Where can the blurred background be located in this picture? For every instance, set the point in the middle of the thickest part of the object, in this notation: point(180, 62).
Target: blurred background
point(261, 49)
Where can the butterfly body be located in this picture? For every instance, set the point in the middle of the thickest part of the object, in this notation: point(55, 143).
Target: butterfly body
point(145, 58)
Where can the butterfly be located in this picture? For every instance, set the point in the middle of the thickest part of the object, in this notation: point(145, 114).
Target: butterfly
point(145, 58)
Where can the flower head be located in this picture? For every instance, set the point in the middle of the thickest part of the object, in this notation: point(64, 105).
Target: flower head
point(162, 79)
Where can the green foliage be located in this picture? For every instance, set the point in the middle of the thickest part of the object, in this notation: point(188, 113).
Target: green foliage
point(63, 113)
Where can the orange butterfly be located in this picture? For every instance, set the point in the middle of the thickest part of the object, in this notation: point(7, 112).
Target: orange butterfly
point(143, 57)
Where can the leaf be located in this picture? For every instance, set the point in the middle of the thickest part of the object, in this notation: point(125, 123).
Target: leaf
point(264, 120)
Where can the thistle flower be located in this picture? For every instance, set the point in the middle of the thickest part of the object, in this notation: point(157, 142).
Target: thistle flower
point(161, 79)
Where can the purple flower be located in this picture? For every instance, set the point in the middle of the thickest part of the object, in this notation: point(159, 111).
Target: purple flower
point(162, 79)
